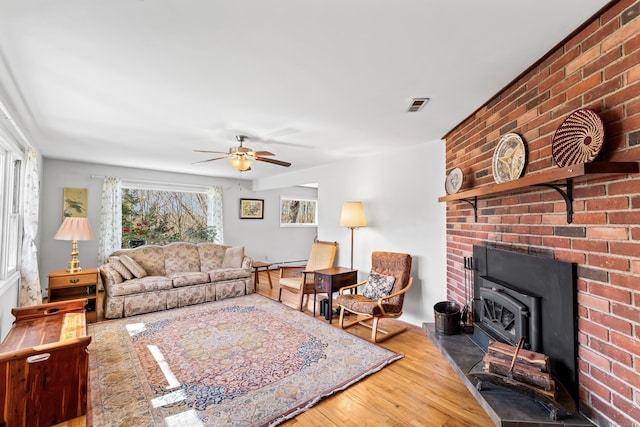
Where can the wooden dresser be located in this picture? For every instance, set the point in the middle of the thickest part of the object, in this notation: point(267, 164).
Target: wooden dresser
point(44, 365)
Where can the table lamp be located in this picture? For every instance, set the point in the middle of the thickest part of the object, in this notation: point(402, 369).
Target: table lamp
point(352, 217)
point(74, 229)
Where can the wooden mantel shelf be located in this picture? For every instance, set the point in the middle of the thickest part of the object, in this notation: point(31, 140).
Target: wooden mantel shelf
point(553, 178)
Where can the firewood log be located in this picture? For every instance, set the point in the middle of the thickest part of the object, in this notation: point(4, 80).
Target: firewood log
point(531, 358)
point(521, 372)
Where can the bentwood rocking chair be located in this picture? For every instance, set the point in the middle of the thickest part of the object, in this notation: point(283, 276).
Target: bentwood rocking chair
point(383, 295)
point(300, 279)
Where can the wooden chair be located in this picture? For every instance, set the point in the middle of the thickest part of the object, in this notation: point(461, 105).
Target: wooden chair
point(371, 311)
point(300, 279)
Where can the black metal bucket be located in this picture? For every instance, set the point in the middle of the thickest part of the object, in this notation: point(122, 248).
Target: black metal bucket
point(447, 315)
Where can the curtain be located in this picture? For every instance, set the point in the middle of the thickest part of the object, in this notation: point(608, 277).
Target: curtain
point(30, 291)
point(214, 212)
point(110, 218)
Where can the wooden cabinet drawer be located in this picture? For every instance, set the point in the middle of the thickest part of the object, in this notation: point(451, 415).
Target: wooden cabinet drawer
point(75, 280)
point(323, 281)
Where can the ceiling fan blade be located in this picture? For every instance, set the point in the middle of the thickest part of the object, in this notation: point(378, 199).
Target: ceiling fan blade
point(263, 153)
point(210, 160)
point(207, 151)
point(274, 161)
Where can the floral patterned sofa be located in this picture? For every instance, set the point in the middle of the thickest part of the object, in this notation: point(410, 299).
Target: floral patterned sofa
point(153, 278)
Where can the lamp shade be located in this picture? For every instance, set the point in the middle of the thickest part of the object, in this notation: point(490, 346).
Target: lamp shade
point(352, 215)
point(74, 228)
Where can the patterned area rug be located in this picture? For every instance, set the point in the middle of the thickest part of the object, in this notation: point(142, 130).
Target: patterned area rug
point(246, 361)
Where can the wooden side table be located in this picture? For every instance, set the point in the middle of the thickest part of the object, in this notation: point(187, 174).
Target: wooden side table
point(44, 364)
point(257, 265)
point(330, 280)
point(64, 286)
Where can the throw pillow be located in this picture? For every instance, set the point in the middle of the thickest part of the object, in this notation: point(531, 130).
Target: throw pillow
point(233, 257)
point(112, 274)
point(131, 264)
point(378, 286)
point(115, 262)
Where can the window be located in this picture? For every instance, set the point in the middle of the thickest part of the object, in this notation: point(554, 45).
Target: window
point(153, 216)
point(10, 207)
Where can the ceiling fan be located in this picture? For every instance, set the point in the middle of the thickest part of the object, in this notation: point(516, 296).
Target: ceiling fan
point(241, 158)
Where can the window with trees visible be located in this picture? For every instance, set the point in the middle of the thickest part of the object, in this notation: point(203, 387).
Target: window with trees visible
point(159, 217)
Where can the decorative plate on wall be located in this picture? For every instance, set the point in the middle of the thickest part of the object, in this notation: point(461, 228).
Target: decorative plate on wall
point(509, 158)
point(578, 139)
point(453, 184)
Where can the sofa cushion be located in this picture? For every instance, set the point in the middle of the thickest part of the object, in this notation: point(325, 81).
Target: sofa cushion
point(211, 255)
point(187, 278)
point(117, 265)
point(222, 274)
point(140, 285)
point(149, 257)
point(180, 257)
point(132, 266)
point(233, 257)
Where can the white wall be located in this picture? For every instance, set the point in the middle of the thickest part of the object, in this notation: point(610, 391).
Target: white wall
point(400, 195)
point(263, 239)
point(400, 199)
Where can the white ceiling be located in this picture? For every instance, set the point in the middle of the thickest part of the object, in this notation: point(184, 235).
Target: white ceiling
point(143, 83)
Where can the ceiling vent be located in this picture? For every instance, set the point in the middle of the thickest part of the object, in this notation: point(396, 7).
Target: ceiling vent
point(417, 104)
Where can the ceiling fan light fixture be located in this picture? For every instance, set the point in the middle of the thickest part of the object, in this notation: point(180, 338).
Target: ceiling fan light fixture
point(241, 163)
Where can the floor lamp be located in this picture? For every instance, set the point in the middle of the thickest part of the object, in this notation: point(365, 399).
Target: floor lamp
point(352, 217)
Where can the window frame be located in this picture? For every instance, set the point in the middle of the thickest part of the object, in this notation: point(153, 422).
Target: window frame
point(12, 166)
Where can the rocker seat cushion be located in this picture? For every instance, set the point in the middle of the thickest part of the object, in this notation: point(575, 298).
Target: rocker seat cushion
point(361, 304)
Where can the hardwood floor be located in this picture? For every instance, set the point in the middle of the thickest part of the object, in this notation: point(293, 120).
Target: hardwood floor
point(419, 390)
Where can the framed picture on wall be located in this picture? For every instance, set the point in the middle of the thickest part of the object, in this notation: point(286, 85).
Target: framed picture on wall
point(251, 208)
point(74, 202)
point(298, 212)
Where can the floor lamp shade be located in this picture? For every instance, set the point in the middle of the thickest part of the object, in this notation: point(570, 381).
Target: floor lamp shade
point(352, 217)
point(74, 229)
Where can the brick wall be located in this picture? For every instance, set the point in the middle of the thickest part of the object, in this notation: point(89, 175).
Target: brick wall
point(596, 68)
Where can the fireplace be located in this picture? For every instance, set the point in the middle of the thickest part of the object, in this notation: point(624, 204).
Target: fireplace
point(508, 313)
point(520, 295)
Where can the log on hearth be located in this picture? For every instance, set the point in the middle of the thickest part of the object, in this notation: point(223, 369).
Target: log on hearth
point(520, 365)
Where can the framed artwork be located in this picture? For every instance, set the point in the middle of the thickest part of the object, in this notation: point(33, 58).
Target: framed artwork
point(298, 212)
point(251, 208)
point(75, 202)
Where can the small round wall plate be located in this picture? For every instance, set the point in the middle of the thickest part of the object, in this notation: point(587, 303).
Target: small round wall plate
point(578, 139)
point(453, 184)
point(509, 158)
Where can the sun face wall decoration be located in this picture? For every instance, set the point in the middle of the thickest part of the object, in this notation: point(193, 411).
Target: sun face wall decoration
point(509, 158)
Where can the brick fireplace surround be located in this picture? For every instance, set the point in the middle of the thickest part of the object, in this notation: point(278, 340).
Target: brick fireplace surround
point(597, 67)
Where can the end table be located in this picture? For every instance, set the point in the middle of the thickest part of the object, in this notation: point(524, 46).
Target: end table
point(330, 280)
point(64, 286)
